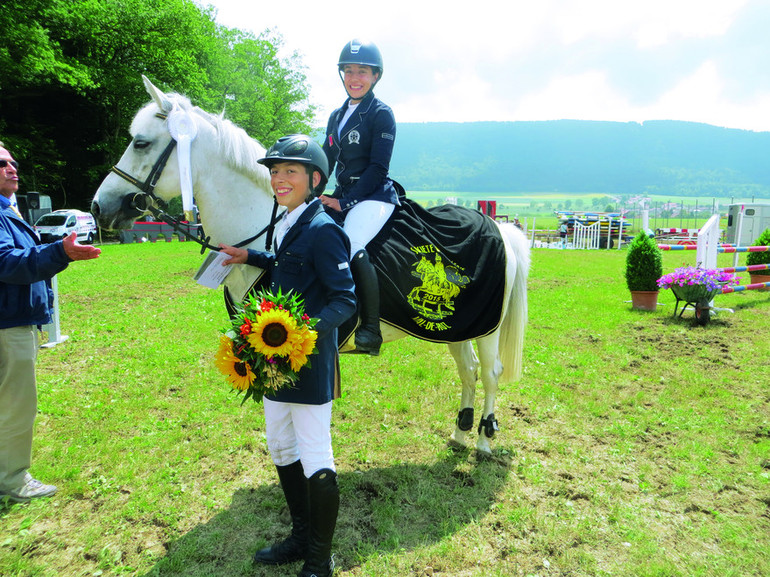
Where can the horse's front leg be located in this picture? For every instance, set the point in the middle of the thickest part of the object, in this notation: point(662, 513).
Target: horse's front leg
point(467, 366)
point(491, 369)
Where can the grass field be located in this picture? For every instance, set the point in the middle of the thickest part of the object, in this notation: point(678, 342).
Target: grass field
point(636, 444)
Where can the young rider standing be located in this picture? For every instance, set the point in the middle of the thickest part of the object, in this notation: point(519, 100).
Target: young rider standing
point(311, 259)
point(358, 144)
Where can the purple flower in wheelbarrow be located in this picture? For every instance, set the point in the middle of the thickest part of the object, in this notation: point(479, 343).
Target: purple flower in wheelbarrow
point(710, 279)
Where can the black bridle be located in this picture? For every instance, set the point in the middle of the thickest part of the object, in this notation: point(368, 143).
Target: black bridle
point(146, 201)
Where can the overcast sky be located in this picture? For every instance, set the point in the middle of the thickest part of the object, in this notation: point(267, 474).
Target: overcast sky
point(696, 60)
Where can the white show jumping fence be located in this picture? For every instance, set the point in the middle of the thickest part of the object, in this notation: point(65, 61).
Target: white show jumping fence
point(586, 236)
point(54, 328)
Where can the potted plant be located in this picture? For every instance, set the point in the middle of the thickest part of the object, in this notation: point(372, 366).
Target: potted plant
point(754, 258)
point(644, 266)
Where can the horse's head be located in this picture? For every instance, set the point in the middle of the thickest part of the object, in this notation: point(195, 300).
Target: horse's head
point(146, 165)
point(217, 162)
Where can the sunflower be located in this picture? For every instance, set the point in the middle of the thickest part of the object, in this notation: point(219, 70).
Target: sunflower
point(271, 333)
point(237, 372)
point(303, 344)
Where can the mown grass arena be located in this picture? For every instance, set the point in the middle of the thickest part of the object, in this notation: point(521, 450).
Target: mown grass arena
point(635, 443)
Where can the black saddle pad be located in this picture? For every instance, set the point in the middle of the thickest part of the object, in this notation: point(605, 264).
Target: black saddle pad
point(441, 272)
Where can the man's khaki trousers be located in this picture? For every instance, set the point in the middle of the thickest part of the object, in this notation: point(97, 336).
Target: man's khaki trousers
point(18, 403)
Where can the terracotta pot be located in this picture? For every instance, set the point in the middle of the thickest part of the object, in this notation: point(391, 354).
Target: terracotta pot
point(644, 300)
point(759, 277)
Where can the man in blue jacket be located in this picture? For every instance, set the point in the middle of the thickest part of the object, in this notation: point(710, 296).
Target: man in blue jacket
point(26, 301)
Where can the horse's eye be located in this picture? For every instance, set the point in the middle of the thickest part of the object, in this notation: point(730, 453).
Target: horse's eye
point(140, 144)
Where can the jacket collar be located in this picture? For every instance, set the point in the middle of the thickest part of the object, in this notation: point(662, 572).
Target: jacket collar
point(309, 213)
point(364, 105)
point(363, 108)
point(20, 222)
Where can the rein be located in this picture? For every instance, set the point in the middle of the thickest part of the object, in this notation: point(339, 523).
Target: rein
point(147, 201)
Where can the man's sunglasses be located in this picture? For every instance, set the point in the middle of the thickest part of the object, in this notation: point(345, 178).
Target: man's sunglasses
point(13, 163)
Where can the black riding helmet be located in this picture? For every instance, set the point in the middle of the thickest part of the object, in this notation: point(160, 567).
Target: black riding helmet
point(363, 53)
point(302, 149)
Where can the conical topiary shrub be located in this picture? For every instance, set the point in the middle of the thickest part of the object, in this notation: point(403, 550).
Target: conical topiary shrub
point(644, 266)
point(760, 258)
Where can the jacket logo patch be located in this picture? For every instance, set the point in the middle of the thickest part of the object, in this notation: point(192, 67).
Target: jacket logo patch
point(387, 136)
point(354, 137)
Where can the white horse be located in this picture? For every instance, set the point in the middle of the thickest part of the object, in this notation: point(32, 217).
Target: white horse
point(235, 200)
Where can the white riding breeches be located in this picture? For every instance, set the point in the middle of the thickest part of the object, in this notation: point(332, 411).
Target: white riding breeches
point(303, 432)
point(364, 221)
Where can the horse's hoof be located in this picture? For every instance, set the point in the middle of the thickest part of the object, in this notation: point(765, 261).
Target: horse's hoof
point(482, 456)
point(486, 457)
point(456, 446)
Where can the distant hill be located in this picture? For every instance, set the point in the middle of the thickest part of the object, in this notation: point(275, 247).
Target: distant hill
point(656, 157)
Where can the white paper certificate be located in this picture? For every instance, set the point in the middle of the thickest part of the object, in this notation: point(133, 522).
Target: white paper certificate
point(212, 273)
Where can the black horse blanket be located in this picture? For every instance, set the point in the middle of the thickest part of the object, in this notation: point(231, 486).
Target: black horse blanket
point(441, 272)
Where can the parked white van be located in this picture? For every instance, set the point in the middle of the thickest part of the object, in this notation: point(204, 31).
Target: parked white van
point(753, 217)
point(60, 223)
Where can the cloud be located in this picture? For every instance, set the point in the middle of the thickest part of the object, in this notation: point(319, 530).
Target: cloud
point(698, 60)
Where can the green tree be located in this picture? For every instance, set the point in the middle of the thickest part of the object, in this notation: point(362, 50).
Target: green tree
point(253, 87)
point(72, 82)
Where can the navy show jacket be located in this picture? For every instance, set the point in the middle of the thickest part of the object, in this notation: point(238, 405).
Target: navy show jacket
point(313, 261)
point(360, 155)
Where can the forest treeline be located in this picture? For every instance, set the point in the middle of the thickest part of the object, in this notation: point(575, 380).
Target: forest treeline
point(71, 82)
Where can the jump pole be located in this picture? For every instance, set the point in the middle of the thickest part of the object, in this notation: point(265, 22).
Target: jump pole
point(749, 268)
point(725, 248)
point(745, 287)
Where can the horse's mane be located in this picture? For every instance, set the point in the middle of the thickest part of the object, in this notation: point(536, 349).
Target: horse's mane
point(237, 148)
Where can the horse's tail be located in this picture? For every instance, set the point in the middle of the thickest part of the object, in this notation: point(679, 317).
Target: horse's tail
point(515, 321)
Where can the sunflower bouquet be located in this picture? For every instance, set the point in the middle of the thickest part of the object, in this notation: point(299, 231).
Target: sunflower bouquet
point(268, 342)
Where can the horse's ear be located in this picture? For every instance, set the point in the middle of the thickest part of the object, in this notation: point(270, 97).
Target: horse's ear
point(157, 95)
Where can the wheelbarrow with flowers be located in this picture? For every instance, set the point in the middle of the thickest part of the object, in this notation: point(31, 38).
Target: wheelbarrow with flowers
point(696, 287)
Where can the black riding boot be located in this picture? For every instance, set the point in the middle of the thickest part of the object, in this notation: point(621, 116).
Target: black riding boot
point(368, 336)
point(294, 485)
point(324, 505)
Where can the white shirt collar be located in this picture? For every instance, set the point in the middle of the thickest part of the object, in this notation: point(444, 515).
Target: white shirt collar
point(289, 219)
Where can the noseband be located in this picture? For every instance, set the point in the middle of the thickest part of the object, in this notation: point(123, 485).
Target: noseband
point(146, 200)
